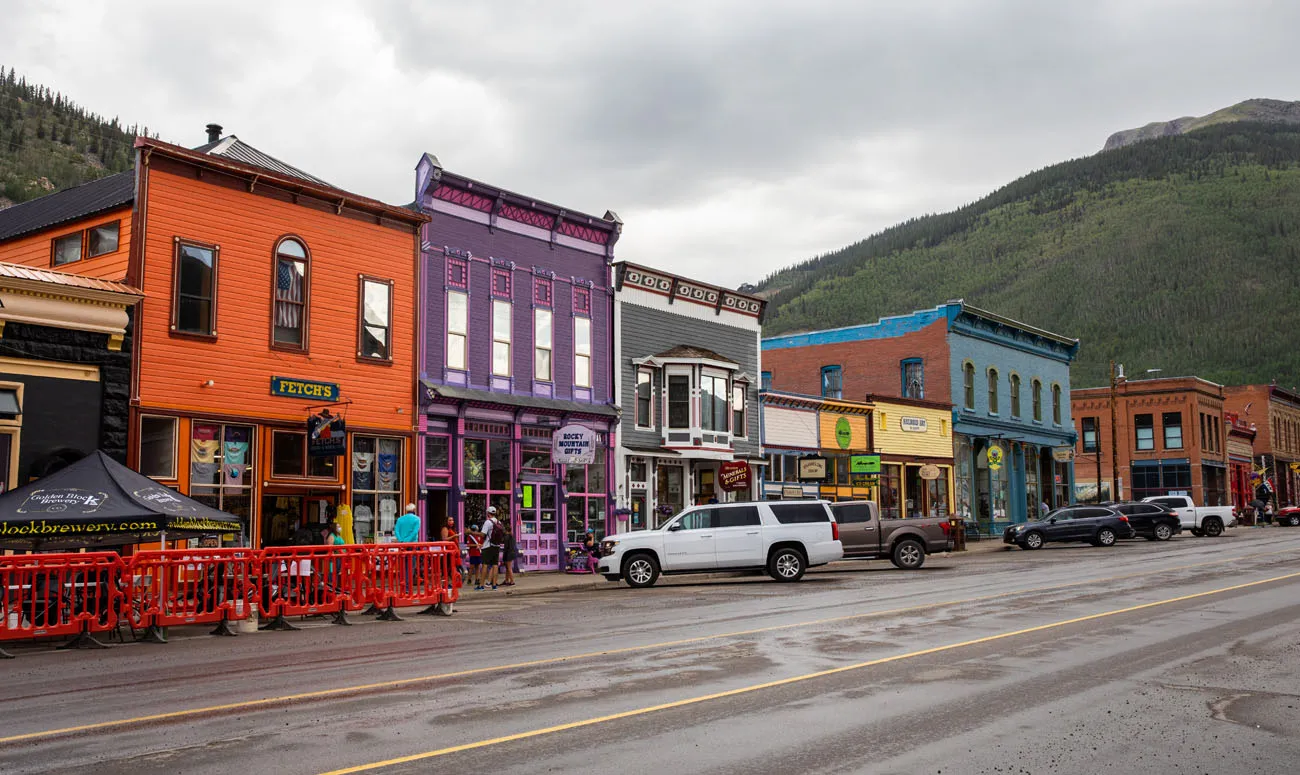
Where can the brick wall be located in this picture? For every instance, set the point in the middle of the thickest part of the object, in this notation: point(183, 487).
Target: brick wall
point(870, 366)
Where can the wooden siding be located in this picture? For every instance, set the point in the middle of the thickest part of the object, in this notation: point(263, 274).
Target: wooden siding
point(36, 249)
point(240, 361)
point(828, 419)
point(891, 439)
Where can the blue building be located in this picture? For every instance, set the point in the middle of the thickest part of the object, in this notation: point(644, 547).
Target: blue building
point(1008, 384)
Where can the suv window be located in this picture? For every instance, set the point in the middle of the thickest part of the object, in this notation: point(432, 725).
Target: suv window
point(1060, 514)
point(698, 520)
point(737, 516)
point(794, 513)
point(1091, 513)
point(1176, 503)
point(849, 513)
point(1130, 508)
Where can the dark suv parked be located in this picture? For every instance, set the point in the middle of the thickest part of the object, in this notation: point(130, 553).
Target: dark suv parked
point(1097, 525)
point(1152, 521)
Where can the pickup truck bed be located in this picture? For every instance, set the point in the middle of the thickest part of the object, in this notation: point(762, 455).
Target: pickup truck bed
point(905, 542)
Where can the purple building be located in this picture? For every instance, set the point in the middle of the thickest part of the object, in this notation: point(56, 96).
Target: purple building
point(516, 324)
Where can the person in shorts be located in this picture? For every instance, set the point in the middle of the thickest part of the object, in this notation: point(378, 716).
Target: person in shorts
point(509, 555)
point(494, 540)
point(474, 549)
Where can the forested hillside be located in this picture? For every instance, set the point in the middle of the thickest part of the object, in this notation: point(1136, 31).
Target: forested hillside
point(1178, 253)
point(48, 143)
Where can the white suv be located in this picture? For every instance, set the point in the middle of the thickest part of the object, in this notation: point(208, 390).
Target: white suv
point(784, 538)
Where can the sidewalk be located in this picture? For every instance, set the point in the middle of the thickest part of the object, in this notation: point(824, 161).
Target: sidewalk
point(549, 582)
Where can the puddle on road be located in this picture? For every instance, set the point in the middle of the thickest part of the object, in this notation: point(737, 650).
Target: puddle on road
point(1258, 710)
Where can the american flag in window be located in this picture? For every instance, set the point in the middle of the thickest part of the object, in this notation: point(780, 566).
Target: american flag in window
point(290, 277)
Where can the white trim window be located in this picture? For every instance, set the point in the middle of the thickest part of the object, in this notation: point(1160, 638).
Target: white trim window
point(542, 344)
point(713, 402)
point(739, 416)
point(500, 338)
point(645, 417)
point(679, 398)
point(457, 329)
point(582, 352)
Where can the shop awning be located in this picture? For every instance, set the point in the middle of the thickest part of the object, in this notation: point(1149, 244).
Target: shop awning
point(9, 407)
point(432, 391)
point(650, 451)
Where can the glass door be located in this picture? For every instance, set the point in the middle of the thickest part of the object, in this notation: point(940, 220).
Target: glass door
point(539, 537)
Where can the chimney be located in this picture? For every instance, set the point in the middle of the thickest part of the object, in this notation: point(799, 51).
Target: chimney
point(214, 132)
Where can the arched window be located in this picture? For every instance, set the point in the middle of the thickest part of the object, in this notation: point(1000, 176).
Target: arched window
point(993, 391)
point(1015, 396)
point(1056, 404)
point(289, 320)
point(969, 383)
point(1038, 401)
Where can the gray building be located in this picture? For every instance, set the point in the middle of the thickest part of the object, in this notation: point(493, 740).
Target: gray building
point(687, 367)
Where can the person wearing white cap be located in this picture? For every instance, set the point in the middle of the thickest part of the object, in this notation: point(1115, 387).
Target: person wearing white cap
point(407, 529)
point(494, 533)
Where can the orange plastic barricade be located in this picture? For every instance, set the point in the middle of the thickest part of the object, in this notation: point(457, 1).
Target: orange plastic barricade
point(414, 574)
point(314, 580)
point(191, 586)
point(51, 595)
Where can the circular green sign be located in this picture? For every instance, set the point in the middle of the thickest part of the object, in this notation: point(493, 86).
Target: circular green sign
point(843, 433)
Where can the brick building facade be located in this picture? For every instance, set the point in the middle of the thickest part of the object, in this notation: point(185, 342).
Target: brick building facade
point(1275, 413)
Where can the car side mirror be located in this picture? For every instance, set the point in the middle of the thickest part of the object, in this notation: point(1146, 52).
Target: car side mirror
point(674, 527)
point(1052, 521)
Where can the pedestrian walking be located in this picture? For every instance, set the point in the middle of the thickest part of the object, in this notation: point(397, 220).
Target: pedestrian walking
point(474, 552)
point(509, 556)
point(333, 535)
point(407, 529)
point(495, 534)
point(1258, 505)
point(592, 549)
point(1043, 508)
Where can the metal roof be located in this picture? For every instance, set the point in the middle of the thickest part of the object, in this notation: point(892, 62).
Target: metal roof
point(19, 272)
point(68, 205)
point(527, 402)
point(231, 147)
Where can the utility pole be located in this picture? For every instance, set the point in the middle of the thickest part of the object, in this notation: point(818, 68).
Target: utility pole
point(1114, 443)
point(1098, 455)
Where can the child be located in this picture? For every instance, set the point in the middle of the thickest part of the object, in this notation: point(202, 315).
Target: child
point(474, 543)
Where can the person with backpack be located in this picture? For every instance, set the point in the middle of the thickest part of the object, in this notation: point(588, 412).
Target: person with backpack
point(496, 540)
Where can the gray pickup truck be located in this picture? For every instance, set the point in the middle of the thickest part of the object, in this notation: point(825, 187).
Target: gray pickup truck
point(905, 542)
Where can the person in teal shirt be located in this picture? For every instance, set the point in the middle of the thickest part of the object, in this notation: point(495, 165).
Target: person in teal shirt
point(407, 529)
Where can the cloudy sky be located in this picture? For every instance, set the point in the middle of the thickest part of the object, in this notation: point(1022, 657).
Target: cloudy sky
point(733, 138)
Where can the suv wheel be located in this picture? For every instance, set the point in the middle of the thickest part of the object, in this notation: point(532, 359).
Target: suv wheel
point(908, 554)
point(786, 564)
point(1213, 527)
point(1032, 540)
point(1105, 537)
point(640, 571)
point(1293, 520)
point(1164, 532)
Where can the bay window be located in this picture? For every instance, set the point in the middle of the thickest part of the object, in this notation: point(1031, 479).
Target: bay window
point(738, 418)
point(679, 401)
point(713, 402)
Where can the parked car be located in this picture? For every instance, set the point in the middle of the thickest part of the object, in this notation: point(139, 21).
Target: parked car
point(1198, 520)
point(1098, 525)
point(782, 538)
point(1152, 521)
point(905, 542)
point(1290, 516)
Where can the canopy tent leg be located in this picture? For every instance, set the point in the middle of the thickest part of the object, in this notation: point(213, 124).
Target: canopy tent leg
point(84, 640)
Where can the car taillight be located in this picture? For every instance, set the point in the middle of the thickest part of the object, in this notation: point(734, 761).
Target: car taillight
point(1123, 518)
point(835, 531)
point(947, 526)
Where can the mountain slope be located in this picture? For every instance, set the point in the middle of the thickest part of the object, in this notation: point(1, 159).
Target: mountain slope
point(1257, 110)
point(1179, 254)
point(48, 143)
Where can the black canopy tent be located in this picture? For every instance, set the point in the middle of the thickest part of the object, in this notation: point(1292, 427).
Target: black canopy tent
point(98, 502)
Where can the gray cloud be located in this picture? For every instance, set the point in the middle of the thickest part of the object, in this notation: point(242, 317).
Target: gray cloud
point(733, 137)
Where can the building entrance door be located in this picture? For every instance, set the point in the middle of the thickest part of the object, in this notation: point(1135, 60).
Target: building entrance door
point(539, 528)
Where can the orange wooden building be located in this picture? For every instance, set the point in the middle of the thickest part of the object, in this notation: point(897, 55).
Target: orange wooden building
point(272, 299)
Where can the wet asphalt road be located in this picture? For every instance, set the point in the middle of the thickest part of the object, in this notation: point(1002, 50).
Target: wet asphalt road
point(1005, 662)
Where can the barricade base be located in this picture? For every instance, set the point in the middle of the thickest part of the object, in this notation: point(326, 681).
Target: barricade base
point(6, 655)
point(223, 628)
point(84, 640)
point(389, 615)
point(373, 610)
point(154, 634)
point(278, 623)
point(341, 618)
point(437, 609)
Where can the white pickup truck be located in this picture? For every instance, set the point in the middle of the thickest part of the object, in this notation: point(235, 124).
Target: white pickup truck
point(1198, 520)
point(784, 538)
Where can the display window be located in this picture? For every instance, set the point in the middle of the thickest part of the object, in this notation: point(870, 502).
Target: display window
point(222, 471)
point(586, 498)
point(376, 478)
point(487, 479)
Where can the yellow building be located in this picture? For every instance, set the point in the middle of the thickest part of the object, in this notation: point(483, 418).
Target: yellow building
point(914, 439)
point(844, 430)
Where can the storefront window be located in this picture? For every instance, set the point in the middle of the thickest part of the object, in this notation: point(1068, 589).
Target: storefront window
point(890, 492)
point(587, 496)
point(1061, 475)
point(487, 479)
point(376, 486)
point(537, 458)
point(963, 462)
point(668, 492)
point(437, 453)
point(936, 496)
point(221, 471)
point(1032, 495)
point(289, 458)
point(157, 447)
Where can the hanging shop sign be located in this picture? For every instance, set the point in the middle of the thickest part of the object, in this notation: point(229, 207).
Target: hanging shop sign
point(864, 464)
point(914, 424)
point(812, 468)
point(929, 472)
point(574, 445)
point(791, 492)
point(843, 433)
point(995, 457)
point(303, 388)
point(1063, 454)
point(327, 435)
point(734, 475)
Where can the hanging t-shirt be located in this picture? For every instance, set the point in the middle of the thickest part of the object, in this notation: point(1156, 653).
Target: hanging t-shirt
point(203, 460)
point(387, 472)
point(363, 470)
point(387, 515)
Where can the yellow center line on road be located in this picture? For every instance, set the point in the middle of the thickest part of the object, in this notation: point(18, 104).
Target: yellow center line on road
point(344, 691)
point(786, 681)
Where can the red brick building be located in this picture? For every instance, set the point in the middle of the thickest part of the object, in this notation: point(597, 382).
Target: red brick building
point(1171, 434)
point(1275, 413)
